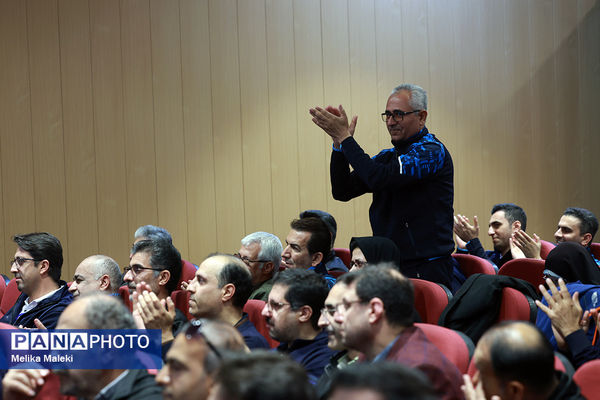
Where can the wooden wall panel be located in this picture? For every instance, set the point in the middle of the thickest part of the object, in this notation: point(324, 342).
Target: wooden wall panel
point(227, 136)
point(197, 126)
point(17, 158)
point(138, 115)
point(107, 83)
point(168, 121)
point(414, 24)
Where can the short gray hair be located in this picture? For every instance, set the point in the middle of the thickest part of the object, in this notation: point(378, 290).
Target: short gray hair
point(104, 265)
point(107, 312)
point(270, 247)
point(418, 95)
point(152, 232)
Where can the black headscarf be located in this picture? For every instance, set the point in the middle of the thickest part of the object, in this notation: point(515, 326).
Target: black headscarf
point(377, 249)
point(573, 262)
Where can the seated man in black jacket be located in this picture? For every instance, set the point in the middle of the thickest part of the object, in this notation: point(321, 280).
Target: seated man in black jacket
point(36, 266)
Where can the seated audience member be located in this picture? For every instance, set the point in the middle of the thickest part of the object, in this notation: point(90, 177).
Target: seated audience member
point(307, 244)
point(573, 263)
point(381, 381)
point(332, 262)
point(374, 250)
point(97, 311)
point(36, 266)
point(292, 315)
point(245, 377)
point(343, 357)
point(194, 358)
point(515, 361)
point(261, 252)
point(508, 221)
point(96, 274)
point(152, 232)
point(153, 273)
point(219, 291)
point(376, 315)
point(578, 225)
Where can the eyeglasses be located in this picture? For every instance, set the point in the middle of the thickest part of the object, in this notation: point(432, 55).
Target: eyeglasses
point(21, 260)
point(275, 306)
point(340, 307)
point(194, 330)
point(359, 263)
point(136, 269)
point(398, 115)
point(247, 261)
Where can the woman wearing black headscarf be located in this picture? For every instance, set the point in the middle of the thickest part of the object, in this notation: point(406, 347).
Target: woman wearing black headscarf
point(373, 250)
point(572, 262)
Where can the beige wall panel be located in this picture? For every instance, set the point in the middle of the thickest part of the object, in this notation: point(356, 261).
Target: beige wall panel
point(254, 97)
point(111, 177)
point(15, 127)
point(197, 127)
point(337, 87)
point(415, 42)
point(46, 119)
point(168, 121)
point(227, 127)
point(138, 111)
point(282, 114)
point(312, 145)
point(367, 102)
point(78, 117)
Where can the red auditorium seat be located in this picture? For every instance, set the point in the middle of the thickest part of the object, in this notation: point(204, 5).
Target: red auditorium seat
point(586, 377)
point(528, 269)
point(596, 250)
point(546, 248)
point(254, 308)
point(188, 271)
point(124, 293)
point(470, 265)
point(181, 298)
point(11, 294)
point(344, 255)
point(516, 306)
point(456, 347)
point(430, 299)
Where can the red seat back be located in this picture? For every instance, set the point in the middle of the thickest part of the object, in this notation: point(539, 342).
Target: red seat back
point(430, 299)
point(124, 293)
point(344, 255)
point(528, 269)
point(2, 289)
point(516, 306)
point(181, 298)
point(586, 377)
point(254, 309)
point(11, 294)
point(457, 349)
point(188, 271)
point(546, 248)
point(470, 265)
point(596, 250)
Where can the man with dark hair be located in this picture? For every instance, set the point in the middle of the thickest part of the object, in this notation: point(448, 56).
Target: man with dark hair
point(153, 273)
point(577, 225)
point(96, 273)
point(332, 262)
point(243, 378)
point(412, 183)
point(292, 315)
point(515, 361)
point(195, 357)
point(219, 291)
point(96, 311)
point(376, 315)
point(261, 252)
point(307, 244)
point(382, 381)
point(506, 228)
point(36, 266)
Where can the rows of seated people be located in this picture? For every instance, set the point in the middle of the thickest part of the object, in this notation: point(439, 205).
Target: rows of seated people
point(329, 322)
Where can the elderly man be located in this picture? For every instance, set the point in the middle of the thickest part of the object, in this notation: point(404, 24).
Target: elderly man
point(412, 183)
point(292, 315)
point(96, 274)
point(261, 252)
point(515, 361)
point(376, 315)
point(577, 225)
point(36, 266)
point(219, 291)
point(97, 311)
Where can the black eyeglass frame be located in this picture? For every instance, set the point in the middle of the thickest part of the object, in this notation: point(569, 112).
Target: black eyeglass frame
point(140, 268)
point(194, 330)
point(21, 260)
point(397, 115)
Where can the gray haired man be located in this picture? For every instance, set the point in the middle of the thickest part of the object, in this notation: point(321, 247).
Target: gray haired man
point(261, 252)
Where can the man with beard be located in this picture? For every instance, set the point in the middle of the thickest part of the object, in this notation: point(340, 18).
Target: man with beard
point(96, 274)
point(292, 314)
point(36, 266)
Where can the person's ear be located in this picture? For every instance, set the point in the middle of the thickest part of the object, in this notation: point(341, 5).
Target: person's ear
point(305, 313)
point(376, 310)
point(317, 258)
point(227, 292)
point(163, 277)
point(104, 282)
point(587, 239)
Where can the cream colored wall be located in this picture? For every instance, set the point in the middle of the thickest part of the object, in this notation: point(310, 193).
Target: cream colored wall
point(193, 114)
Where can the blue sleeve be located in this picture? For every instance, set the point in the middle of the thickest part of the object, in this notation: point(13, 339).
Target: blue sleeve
point(423, 160)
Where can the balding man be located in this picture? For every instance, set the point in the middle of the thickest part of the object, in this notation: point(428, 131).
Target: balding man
point(515, 361)
point(96, 273)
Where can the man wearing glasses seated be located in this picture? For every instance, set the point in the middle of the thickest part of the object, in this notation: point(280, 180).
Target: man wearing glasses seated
point(412, 183)
point(261, 252)
point(36, 266)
